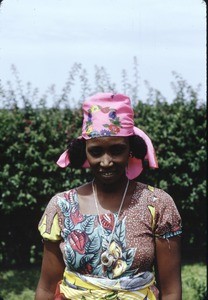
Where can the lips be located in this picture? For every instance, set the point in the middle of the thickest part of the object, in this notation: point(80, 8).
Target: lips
point(108, 175)
point(107, 172)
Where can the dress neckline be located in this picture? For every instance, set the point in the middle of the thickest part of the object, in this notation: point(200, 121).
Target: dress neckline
point(76, 199)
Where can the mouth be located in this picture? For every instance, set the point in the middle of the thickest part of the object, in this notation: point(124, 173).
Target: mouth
point(107, 173)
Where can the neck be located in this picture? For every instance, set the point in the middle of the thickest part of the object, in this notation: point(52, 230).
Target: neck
point(110, 197)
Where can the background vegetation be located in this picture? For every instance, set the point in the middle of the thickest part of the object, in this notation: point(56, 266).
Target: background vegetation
point(33, 134)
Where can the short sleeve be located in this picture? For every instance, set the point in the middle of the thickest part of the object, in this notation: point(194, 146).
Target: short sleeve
point(49, 225)
point(167, 217)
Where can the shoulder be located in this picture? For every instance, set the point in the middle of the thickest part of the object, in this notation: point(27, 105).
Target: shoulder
point(154, 196)
point(61, 197)
point(165, 218)
point(163, 200)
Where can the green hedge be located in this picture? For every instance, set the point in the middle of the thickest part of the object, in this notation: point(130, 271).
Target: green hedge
point(32, 138)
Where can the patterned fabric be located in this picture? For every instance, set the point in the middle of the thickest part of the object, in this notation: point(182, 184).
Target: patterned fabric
point(76, 286)
point(106, 114)
point(151, 213)
point(110, 127)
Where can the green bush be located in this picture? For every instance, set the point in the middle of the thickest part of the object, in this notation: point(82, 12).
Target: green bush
point(31, 142)
point(194, 281)
point(19, 284)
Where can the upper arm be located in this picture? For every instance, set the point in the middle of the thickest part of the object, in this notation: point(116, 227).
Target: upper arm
point(52, 268)
point(168, 267)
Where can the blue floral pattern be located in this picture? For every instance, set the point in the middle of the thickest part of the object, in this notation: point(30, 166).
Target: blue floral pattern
point(85, 240)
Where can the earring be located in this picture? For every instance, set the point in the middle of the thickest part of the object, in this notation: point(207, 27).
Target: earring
point(130, 154)
point(127, 168)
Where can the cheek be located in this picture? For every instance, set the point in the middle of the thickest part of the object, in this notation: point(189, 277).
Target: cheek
point(89, 157)
point(125, 157)
point(122, 161)
point(91, 160)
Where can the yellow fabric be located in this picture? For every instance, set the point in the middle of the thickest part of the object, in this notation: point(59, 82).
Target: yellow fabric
point(152, 211)
point(92, 291)
point(54, 234)
point(151, 188)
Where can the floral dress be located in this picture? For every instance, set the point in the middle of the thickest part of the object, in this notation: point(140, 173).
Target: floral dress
point(150, 214)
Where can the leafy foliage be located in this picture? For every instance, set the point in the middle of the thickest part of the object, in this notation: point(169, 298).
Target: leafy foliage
point(194, 282)
point(19, 284)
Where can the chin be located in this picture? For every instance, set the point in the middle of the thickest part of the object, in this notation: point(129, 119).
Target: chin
point(110, 177)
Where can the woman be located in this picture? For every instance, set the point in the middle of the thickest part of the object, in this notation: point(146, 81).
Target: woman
point(103, 239)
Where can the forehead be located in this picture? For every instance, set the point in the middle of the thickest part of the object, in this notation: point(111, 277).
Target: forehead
point(107, 141)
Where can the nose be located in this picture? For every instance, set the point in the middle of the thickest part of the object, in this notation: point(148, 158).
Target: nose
point(106, 161)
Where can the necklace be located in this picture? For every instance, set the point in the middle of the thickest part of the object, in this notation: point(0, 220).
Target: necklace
point(107, 259)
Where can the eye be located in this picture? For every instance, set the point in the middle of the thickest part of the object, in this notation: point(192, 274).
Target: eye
point(95, 151)
point(118, 149)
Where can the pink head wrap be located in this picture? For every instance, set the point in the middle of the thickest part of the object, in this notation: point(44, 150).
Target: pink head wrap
point(106, 114)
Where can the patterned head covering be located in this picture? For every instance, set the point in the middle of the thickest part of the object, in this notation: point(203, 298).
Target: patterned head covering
point(106, 114)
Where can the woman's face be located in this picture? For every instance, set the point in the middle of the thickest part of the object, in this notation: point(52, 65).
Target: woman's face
point(108, 157)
